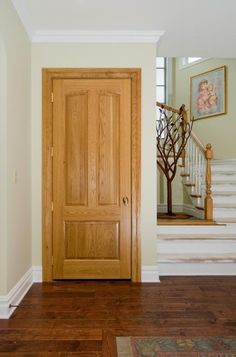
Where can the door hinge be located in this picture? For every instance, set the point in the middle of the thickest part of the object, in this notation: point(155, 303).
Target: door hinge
point(52, 151)
point(52, 206)
point(52, 259)
point(52, 97)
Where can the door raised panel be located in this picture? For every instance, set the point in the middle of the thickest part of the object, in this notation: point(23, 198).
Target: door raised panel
point(93, 240)
point(108, 148)
point(76, 146)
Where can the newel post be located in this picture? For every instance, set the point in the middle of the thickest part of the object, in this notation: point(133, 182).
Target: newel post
point(208, 198)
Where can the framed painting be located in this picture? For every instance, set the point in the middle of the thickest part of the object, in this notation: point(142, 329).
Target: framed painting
point(208, 94)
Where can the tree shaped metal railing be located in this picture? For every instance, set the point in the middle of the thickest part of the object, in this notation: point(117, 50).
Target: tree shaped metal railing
point(173, 131)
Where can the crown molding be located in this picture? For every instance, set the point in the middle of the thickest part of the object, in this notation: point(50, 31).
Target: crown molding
point(24, 17)
point(59, 36)
point(97, 36)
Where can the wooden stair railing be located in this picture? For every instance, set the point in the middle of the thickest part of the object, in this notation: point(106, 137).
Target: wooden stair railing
point(196, 168)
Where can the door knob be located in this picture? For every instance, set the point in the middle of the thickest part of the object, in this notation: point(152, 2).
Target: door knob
point(125, 200)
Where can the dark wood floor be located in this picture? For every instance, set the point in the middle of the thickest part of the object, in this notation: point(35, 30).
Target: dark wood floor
point(78, 318)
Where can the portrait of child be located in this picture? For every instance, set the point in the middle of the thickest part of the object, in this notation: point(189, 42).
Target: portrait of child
point(208, 94)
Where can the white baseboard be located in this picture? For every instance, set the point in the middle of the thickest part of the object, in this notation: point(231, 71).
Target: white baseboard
point(150, 274)
point(37, 274)
point(178, 268)
point(185, 208)
point(16, 294)
point(162, 207)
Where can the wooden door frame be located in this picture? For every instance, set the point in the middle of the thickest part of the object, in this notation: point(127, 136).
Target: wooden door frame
point(48, 74)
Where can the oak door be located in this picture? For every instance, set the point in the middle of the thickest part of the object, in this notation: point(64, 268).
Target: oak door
point(91, 178)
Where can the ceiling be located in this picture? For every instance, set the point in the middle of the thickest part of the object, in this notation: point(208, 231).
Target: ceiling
point(191, 24)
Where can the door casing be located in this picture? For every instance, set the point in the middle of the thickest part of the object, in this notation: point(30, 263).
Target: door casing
point(48, 74)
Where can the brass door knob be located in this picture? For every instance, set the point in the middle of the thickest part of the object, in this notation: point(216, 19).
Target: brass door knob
point(125, 200)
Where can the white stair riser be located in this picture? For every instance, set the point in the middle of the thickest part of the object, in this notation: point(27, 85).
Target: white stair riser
point(191, 231)
point(195, 247)
point(225, 219)
point(224, 199)
point(223, 187)
point(222, 177)
point(223, 166)
point(193, 237)
point(224, 212)
point(168, 269)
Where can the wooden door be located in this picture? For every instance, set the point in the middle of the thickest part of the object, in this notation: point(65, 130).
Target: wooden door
point(91, 178)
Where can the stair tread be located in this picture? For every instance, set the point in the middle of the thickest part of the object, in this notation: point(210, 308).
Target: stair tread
point(225, 219)
point(199, 236)
point(229, 182)
point(223, 193)
point(190, 257)
point(224, 205)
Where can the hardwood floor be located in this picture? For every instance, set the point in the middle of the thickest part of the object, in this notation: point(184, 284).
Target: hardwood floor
point(81, 318)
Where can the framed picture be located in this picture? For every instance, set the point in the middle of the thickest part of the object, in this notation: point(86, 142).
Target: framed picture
point(208, 94)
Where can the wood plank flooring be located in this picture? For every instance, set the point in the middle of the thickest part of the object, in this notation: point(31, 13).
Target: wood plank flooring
point(81, 318)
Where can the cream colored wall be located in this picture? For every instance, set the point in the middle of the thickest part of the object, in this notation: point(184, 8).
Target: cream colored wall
point(177, 188)
point(219, 130)
point(15, 213)
point(3, 167)
point(99, 55)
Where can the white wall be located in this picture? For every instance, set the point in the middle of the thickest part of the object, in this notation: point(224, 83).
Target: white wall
point(99, 55)
point(15, 216)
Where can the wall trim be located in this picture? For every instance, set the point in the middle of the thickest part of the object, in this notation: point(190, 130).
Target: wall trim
point(97, 36)
point(17, 293)
point(194, 269)
point(150, 274)
point(134, 75)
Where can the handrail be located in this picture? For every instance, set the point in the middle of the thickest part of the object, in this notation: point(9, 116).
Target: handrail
point(167, 107)
point(198, 142)
point(207, 153)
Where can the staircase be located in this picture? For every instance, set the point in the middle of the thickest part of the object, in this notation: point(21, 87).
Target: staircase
point(196, 250)
point(224, 190)
point(202, 249)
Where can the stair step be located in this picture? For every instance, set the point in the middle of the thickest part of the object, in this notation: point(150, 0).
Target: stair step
point(196, 258)
point(227, 219)
point(200, 208)
point(225, 205)
point(192, 237)
point(225, 210)
point(224, 193)
point(224, 175)
point(184, 175)
point(223, 165)
point(224, 190)
point(197, 230)
point(224, 182)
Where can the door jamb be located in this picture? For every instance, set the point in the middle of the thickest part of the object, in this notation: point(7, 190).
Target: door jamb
point(48, 74)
